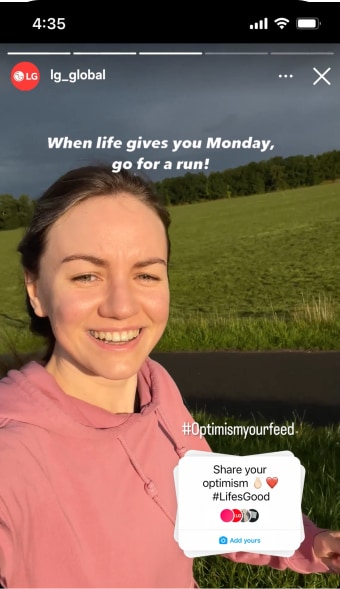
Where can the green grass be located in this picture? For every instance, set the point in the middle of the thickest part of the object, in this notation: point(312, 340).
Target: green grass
point(255, 255)
point(11, 286)
point(318, 450)
point(200, 332)
point(258, 272)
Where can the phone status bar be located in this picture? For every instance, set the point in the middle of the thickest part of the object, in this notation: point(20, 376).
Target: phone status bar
point(309, 23)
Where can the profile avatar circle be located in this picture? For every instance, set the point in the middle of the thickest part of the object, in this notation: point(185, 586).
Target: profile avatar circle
point(25, 76)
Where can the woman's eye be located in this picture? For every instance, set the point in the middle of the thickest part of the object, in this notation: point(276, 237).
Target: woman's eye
point(84, 278)
point(148, 277)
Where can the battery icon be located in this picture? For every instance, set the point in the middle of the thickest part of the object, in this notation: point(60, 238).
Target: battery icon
point(307, 23)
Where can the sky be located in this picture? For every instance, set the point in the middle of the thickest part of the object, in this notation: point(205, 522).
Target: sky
point(165, 98)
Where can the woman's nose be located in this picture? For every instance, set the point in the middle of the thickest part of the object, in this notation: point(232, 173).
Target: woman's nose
point(120, 300)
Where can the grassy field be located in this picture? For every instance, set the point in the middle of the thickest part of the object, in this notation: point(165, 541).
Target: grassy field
point(259, 272)
point(321, 500)
point(257, 255)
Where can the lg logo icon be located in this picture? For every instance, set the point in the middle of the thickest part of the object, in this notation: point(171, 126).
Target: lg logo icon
point(25, 76)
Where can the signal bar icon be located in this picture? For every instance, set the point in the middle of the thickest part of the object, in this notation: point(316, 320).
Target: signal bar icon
point(261, 24)
point(281, 22)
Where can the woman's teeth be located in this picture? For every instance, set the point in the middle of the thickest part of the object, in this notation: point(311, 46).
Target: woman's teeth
point(116, 336)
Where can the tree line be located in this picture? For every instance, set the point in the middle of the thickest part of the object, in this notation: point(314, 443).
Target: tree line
point(15, 212)
point(275, 174)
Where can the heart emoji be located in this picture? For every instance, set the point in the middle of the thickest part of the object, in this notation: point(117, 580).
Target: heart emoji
point(272, 481)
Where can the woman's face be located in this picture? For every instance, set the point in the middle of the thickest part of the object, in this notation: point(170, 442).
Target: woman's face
point(103, 284)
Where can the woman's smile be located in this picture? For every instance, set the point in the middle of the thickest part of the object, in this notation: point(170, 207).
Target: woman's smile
point(117, 340)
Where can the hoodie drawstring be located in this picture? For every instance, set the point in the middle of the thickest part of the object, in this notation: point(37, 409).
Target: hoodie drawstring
point(180, 450)
point(149, 485)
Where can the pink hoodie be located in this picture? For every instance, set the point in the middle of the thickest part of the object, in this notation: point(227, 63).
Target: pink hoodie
point(87, 497)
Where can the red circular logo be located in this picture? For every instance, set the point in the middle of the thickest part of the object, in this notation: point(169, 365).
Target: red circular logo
point(237, 515)
point(25, 76)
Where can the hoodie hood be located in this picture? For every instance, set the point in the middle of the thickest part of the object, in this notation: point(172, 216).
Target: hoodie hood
point(32, 396)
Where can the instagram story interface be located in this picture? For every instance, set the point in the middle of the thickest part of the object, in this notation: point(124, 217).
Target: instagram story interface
point(241, 144)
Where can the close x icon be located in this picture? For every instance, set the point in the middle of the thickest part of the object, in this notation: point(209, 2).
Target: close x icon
point(321, 76)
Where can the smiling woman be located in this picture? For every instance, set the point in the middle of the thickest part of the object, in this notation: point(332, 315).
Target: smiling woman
point(75, 187)
point(103, 287)
point(90, 436)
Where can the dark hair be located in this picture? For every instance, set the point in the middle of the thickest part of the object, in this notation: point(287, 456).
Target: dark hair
point(70, 189)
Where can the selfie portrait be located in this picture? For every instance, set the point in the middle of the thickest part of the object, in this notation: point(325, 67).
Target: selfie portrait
point(170, 314)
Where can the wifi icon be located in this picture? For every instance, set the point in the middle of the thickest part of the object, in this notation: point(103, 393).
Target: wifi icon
point(281, 22)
